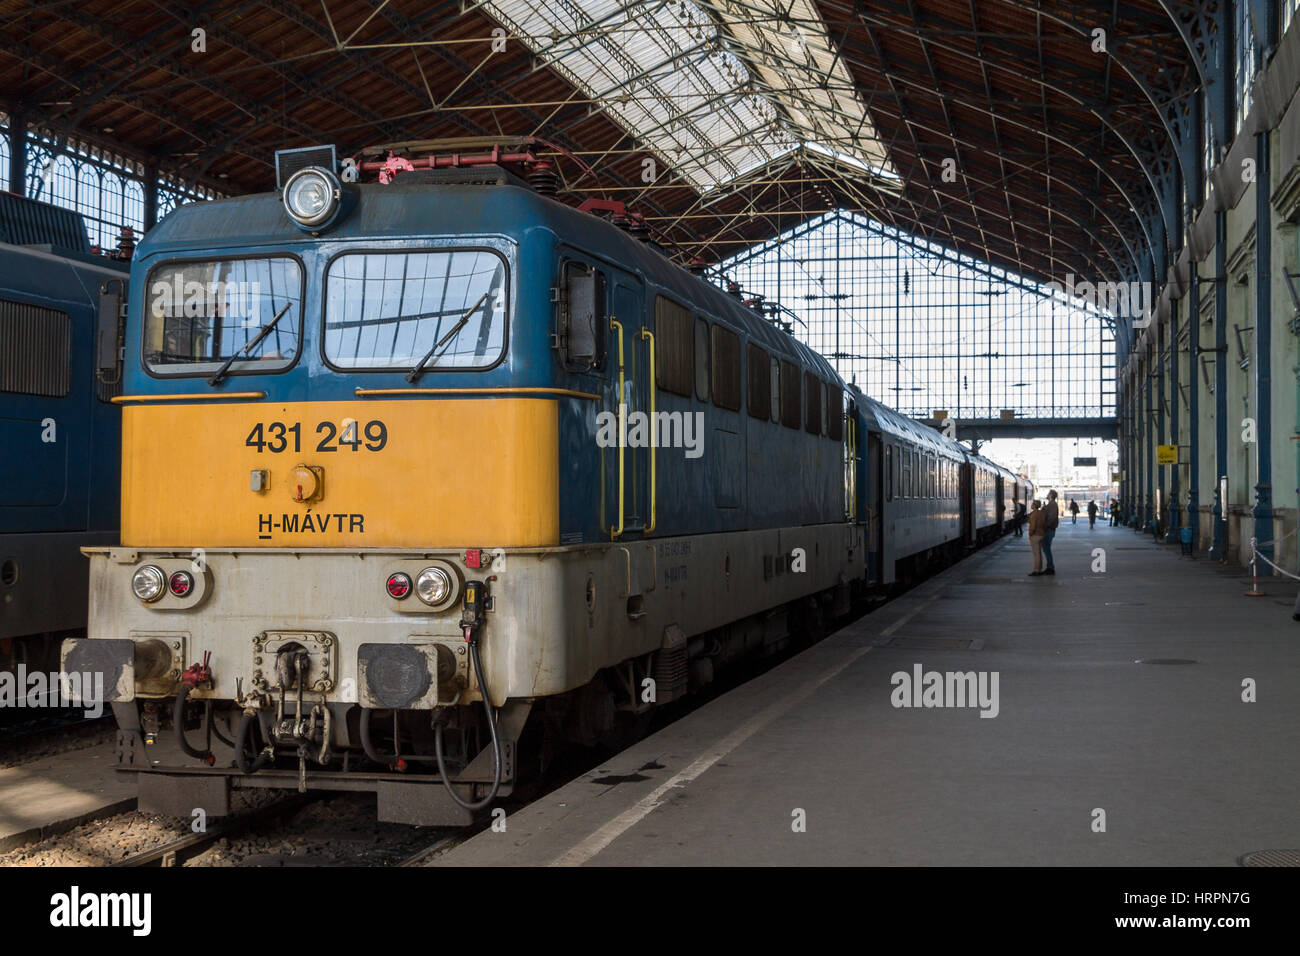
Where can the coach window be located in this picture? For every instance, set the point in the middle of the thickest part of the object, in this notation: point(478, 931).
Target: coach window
point(35, 350)
point(889, 472)
point(790, 397)
point(674, 348)
point(813, 413)
point(907, 473)
point(726, 368)
point(702, 360)
point(758, 379)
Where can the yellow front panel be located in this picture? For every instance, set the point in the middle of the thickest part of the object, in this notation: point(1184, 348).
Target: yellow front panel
point(422, 473)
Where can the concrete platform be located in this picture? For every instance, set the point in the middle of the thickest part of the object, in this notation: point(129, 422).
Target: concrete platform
point(1186, 772)
point(54, 794)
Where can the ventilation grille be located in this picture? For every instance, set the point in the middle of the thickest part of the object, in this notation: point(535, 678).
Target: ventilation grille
point(289, 161)
point(35, 350)
point(26, 222)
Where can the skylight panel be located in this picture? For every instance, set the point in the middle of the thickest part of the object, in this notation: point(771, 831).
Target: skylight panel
point(716, 89)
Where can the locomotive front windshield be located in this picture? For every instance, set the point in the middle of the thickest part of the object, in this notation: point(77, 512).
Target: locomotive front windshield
point(199, 314)
point(403, 310)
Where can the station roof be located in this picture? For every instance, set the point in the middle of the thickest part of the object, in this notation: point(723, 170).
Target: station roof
point(995, 127)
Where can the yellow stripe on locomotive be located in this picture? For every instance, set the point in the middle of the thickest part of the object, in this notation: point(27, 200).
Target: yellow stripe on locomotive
point(341, 474)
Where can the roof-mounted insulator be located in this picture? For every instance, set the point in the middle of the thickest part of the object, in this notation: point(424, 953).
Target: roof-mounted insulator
point(697, 266)
point(733, 288)
point(637, 229)
point(543, 179)
point(125, 244)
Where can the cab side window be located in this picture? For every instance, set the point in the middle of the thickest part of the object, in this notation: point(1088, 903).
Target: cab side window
point(581, 319)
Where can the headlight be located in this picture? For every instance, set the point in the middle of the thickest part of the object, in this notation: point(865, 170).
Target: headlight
point(311, 196)
point(433, 585)
point(147, 583)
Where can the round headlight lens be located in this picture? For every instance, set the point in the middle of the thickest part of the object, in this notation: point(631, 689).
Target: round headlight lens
point(433, 585)
point(311, 196)
point(147, 583)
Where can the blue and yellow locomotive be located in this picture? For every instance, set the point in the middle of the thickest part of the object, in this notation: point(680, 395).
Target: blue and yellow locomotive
point(410, 468)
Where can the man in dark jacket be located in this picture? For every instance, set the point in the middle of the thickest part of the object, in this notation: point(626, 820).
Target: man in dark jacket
point(1051, 521)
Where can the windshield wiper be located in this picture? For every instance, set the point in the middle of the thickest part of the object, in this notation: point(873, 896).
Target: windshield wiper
point(416, 372)
point(220, 375)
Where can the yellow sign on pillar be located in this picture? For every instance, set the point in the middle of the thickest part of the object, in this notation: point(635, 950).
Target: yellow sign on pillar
point(1166, 454)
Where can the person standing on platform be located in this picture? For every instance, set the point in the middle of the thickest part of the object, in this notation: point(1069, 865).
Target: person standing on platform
point(1018, 523)
point(1051, 521)
point(1074, 511)
point(1092, 515)
point(1037, 521)
point(1114, 513)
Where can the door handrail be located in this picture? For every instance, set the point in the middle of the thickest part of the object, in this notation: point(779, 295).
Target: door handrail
point(614, 532)
point(647, 334)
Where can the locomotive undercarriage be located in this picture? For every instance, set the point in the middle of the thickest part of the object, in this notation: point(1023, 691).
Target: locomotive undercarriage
point(350, 690)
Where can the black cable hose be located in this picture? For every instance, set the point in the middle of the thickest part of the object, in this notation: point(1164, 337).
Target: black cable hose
point(241, 757)
point(496, 744)
point(178, 726)
point(215, 729)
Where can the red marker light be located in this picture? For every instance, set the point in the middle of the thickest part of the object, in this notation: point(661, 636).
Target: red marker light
point(399, 585)
point(474, 558)
point(180, 583)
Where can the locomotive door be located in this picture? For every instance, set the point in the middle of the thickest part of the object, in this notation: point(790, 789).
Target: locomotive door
point(628, 479)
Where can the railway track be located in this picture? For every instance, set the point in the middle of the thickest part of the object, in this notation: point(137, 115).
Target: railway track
point(176, 852)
